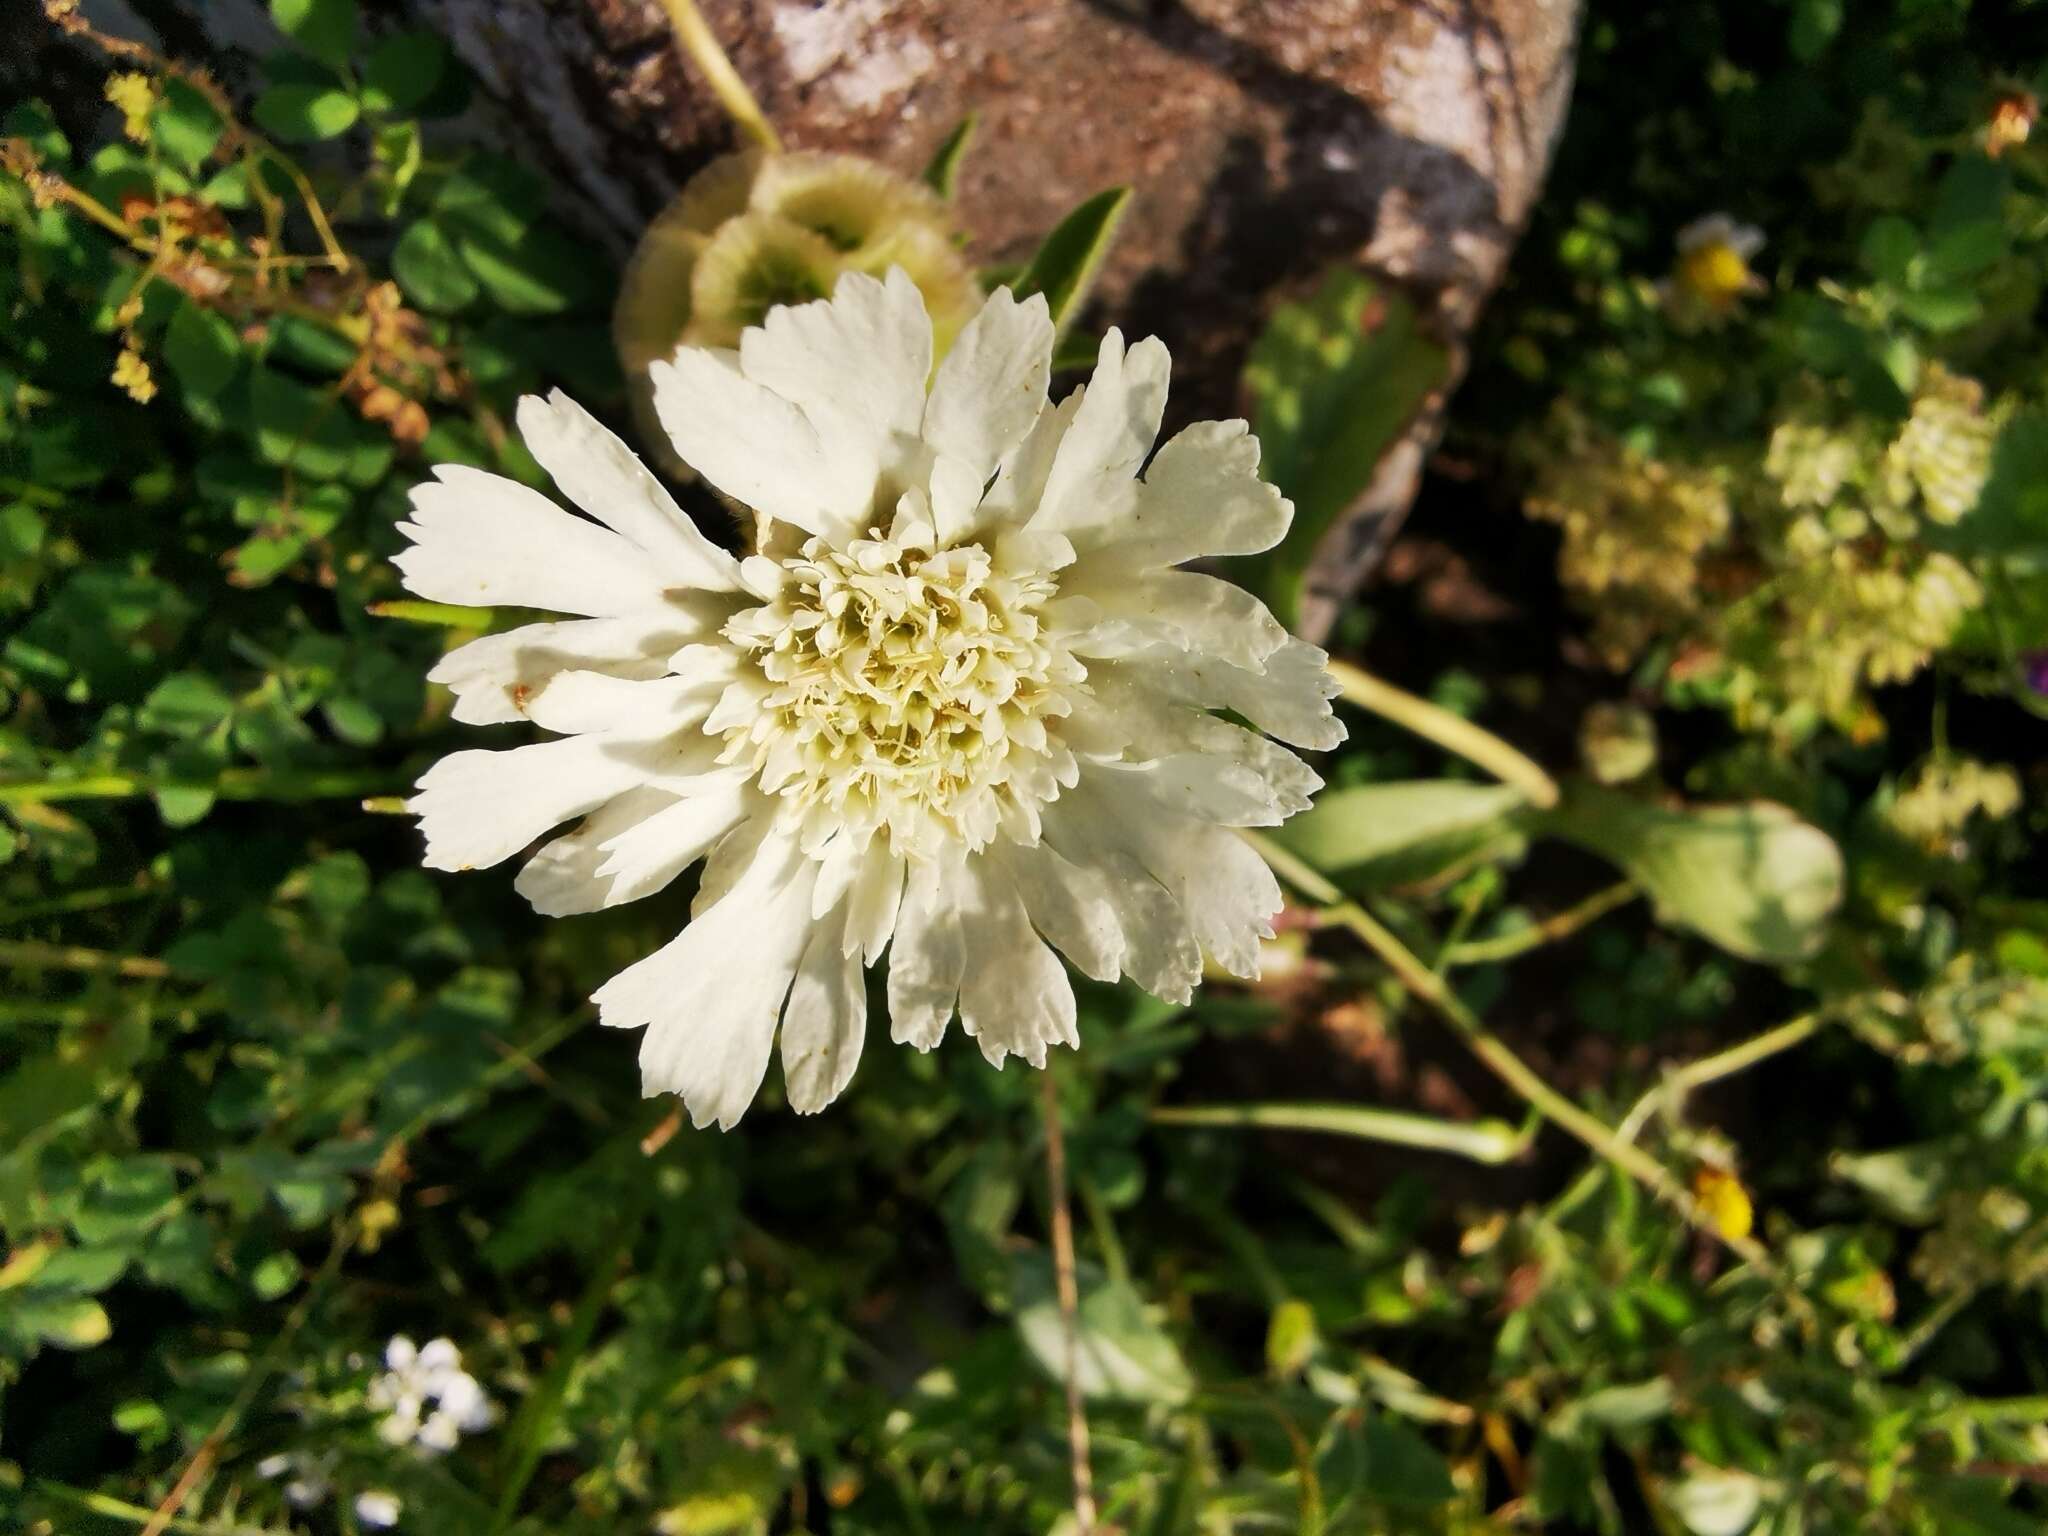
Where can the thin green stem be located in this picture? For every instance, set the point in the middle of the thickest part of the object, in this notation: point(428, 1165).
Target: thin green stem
point(1451, 732)
point(1067, 1287)
point(120, 1509)
point(76, 901)
point(1496, 1056)
point(1484, 1141)
point(442, 615)
point(1560, 926)
point(701, 46)
point(231, 784)
point(29, 955)
point(1680, 1081)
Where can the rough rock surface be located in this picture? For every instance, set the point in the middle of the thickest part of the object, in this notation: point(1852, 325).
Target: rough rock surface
point(1265, 139)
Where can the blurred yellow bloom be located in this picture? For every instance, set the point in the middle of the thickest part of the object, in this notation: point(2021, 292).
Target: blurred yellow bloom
point(133, 95)
point(132, 374)
point(1724, 1202)
point(1713, 261)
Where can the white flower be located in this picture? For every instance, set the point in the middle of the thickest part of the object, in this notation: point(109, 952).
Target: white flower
point(378, 1510)
point(427, 1399)
point(1722, 230)
point(311, 1477)
point(956, 704)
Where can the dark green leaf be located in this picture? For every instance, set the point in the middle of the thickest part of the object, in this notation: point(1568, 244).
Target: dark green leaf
point(300, 114)
point(324, 28)
point(202, 350)
point(403, 71)
point(1072, 254)
point(429, 270)
point(943, 174)
point(1334, 382)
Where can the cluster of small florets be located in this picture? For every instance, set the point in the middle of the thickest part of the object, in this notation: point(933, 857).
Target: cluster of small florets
point(1828, 530)
point(427, 1399)
point(1635, 531)
point(1936, 805)
point(910, 691)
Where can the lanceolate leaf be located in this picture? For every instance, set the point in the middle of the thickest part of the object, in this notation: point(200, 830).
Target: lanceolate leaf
point(1382, 834)
point(943, 174)
point(1333, 383)
point(1753, 878)
point(1064, 268)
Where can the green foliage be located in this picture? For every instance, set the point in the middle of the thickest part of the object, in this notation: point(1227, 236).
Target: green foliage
point(1334, 384)
point(271, 1094)
point(1065, 264)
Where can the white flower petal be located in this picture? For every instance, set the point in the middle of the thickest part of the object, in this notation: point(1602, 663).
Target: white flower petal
point(1020, 482)
point(855, 364)
point(604, 477)
point(1289, 698)
point(873, 903)
point(757, 447)
point(1074, 907)
point(642, 859)
point(1015, 998)
point(992, 384)
point(1226, 894)
point(1202, 495)
point(493, 678)
point(1135, 611)
point(479, 808)
point(578, 702)
point(1112, 431)
point(955, 502)
point(927, 956)
point(1187, 757)
point(484, 541)
point(709, 999)
point(825, 1021)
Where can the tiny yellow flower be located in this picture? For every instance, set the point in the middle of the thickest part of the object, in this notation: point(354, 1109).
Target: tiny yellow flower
point(1724, 1202)
point(132, 374)
point(134, 96)
point(1713, 261)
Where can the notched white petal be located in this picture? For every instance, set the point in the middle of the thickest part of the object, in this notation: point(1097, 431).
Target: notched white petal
point(992, 384)
point(483, 541)
point(597, 471)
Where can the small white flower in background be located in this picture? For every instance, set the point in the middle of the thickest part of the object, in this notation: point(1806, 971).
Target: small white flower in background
point(312, 1477)
point(378, 1510)
point(956, 704)
point(427, 1399)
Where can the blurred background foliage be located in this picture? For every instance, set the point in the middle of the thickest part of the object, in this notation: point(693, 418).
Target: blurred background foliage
point(270, 1094)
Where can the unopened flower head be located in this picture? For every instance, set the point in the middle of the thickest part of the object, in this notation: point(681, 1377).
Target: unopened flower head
point(957, 703)
point(1714, 254)
point(2012, 121)
point(426, 1397)
point(754, 230)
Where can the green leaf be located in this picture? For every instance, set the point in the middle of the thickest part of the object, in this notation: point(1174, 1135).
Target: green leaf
point(1124, 1355)
point(2011, 516)
point(1814, 25)
point(1888, 249)
point(185, 704)
point(301, 114)
point(186, 128)
point(324, 28)
point(542, 272)
point(1906, 1183)
point(943, 174)
point(1385, 834)
point(403, 71)
point(1941, 309)
point(1334, 382)
point(202, 350)
point(1066, 264)
point(70, 1322)
point(1291, 1340)
point(428, 269)
point(1401, 1467)
point(1753, 878)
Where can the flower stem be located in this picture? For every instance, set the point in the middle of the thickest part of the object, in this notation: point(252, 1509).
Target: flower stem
point(29, 955)
point(1449, 731)
point(232, 784)
point(1496, 1056)
point(1069, 1291)
point(1736, 1058)
point(701, 45)
point(1484, 1141)
point(1562, 926)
